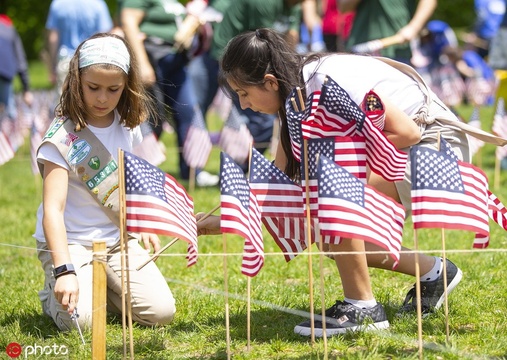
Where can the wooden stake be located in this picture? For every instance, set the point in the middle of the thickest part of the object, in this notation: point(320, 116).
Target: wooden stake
point(418, 296)
point(99, 301)
point(226, 298)
point(308, 229)
point(125, 275)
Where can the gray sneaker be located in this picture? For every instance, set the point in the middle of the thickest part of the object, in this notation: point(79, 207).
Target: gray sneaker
point(432, 292)
point(343, 317)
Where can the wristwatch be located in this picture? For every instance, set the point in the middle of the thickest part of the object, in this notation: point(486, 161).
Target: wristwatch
point(64, 270)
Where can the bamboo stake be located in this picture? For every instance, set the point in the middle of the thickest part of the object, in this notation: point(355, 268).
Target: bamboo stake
point(308, 228)
point(125, 275)
point(99, 301)
point(226, 298)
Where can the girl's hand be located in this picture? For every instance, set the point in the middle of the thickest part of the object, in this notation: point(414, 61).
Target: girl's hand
point(148, 238)
point(67, 291)
point(208, 226)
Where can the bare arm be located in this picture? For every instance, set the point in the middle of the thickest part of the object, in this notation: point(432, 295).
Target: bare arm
point(131, 19)
point(399, 128)
point(423, 12)
point(52, 46)
point(347, 5)
point(54, 197)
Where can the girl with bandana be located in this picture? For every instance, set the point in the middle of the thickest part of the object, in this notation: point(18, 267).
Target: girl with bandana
point(103, 102)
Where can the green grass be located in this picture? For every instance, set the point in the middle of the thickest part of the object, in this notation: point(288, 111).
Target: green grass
point(477, 308)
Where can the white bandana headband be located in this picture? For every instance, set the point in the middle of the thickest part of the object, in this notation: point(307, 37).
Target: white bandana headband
point(104, 50)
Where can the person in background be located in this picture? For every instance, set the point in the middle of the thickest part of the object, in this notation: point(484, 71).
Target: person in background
point(378, 19)
point(103, 102)
point(12, 62)
point(240, 16)
point(151, 27)
point(335, 26)
point(262, 69)
point(69, 23)
point(488, 17)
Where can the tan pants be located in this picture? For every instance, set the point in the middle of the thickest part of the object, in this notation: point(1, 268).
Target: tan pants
point(151, 298)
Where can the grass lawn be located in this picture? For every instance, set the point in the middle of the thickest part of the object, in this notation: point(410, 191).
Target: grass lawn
point(477, 308)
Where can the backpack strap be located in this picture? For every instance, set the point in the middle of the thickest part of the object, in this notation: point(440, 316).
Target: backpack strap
point(422, 116)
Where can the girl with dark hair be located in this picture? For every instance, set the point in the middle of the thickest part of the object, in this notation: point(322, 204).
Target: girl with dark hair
point(262, 69)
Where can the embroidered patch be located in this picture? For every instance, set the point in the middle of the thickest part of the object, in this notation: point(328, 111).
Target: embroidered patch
point(69, 139)
point(108, 194)
point(94, 163)
point(102, 175)
point(57, 123)
point(80, 170)
point(78, 152)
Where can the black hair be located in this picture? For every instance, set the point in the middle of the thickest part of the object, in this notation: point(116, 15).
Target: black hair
point(250, 56)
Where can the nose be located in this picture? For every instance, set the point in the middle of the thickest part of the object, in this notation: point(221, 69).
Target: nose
point(102, 97)
point(244, 104)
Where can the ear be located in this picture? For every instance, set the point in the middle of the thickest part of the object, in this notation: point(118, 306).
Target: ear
point(271, 82)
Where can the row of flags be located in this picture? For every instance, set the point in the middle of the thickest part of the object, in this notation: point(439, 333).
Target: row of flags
point(32, 121)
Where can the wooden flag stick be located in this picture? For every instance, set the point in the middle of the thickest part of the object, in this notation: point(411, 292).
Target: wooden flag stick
point(300, 97)
point(226, 299)
point(322, 298)
point(294, 104)
point(171, 243)
point(496, 181)
point(446, 303)
point(125, 276)
point(191, 180)
point(418, 296)
point(248, 311)
point(99, 301)
point(308, 230)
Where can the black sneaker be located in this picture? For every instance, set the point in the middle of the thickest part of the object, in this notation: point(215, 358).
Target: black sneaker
point(432, 292)
point(343, 317)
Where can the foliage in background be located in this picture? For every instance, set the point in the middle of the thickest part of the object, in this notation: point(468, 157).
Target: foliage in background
point(29, 16)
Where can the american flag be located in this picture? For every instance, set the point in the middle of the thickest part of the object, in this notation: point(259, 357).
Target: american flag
point(446, 192)
point(349, 152)
point(276, 193)
point(337, 111)
point(6, 150)
point(295, 117)
point(197, 145)
point(235, 138)
point(351, 209)
point(157, 203)
point(475, 121)
point(240, 214)
point(500, 127)
point(374, 109)
point(498, 213)
point(290, 234)
point(150, 149)
point(479, 90)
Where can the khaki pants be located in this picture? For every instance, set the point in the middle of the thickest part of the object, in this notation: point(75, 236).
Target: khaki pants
point(151, 298)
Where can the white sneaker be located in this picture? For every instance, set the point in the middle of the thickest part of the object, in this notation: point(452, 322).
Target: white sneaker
point(204, 179)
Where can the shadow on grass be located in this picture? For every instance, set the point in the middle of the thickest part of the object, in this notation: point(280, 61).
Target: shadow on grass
point(32, 324)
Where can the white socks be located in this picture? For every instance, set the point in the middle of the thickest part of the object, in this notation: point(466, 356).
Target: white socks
point(435, 272)
point(362, 304)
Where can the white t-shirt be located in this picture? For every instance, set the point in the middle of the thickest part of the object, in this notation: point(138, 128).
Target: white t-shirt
point(359, 74)
point(85, 221)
